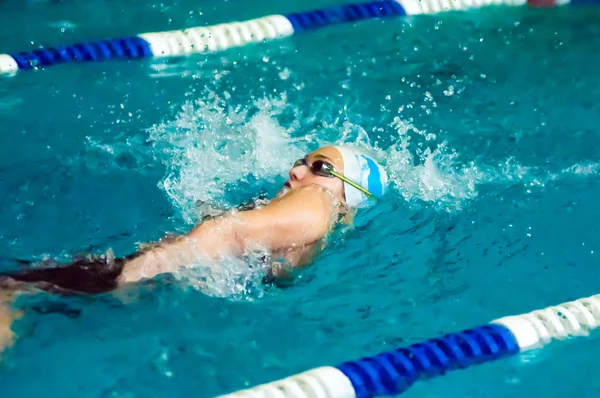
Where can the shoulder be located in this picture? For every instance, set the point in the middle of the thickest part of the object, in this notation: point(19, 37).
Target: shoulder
point(300, 217)
point(310, 201)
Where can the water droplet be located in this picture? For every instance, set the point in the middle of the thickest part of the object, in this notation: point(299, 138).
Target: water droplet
point(285, 74)
point(449, 92)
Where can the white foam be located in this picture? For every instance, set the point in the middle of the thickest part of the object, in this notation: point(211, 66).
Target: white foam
point(211, 146)
point(231, 278)
point(431, 173)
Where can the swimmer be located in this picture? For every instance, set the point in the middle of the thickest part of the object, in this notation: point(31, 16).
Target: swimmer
point(324, 188)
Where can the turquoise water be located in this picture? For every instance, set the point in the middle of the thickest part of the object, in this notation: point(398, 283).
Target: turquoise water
point(488, 124)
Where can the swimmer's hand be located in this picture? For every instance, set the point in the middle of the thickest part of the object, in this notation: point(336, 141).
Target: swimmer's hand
point(300, 218)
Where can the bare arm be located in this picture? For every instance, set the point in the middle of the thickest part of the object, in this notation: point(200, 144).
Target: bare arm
point(302, 217)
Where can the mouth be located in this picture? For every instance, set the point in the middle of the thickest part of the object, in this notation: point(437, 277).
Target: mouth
point(285, 190)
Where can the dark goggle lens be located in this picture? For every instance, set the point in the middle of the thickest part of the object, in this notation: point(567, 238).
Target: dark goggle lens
point(318, 167)
point(321, 168)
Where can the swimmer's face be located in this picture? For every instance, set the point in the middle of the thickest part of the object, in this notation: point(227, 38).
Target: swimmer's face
point(303, 176)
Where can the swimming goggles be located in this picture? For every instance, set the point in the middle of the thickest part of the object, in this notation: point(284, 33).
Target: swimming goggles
point(324, 169)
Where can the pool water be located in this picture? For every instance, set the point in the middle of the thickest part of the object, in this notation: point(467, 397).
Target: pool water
point(487, 121)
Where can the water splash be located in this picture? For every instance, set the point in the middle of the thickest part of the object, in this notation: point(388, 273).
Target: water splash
point(423, 170)
point(231, 278)
point(212, 147)
point(219, 153)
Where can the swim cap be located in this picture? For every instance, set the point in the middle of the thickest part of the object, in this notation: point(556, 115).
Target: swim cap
point(364, 170)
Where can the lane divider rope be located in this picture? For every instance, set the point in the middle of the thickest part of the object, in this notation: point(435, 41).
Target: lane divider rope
point(225, 36)
point(391, 373)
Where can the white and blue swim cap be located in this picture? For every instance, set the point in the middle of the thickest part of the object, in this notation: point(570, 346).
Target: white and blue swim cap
point(364, 170)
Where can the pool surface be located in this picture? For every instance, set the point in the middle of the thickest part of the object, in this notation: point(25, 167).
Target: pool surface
point(488, 121)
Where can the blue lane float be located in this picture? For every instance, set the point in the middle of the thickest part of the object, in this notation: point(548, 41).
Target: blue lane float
point(221, 37)
point(391, 373)
point(310, 20)
point(129, 47)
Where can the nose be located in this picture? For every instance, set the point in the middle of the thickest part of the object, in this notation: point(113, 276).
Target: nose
point(297, 173)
